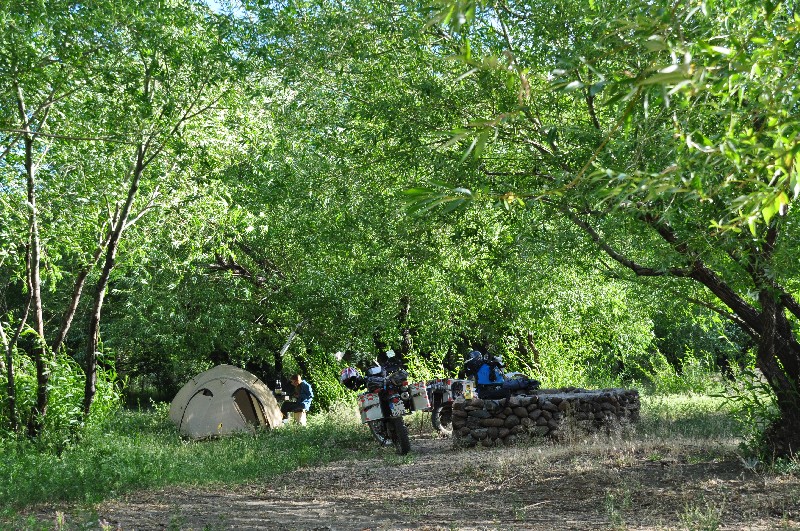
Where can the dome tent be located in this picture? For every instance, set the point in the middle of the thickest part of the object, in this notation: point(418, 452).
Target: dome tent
point(223, 400)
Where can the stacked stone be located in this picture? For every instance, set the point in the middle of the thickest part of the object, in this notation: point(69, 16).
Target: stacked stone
point(552, 413)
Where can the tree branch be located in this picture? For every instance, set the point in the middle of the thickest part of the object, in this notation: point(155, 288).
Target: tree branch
point(638, 269)
point(13, 142)
point(292, 335)
point(789, 301)
point(69, 137)
point(747, 315)
point(149, 206)
point(267, 265)
point(6, 347)
point(188, 114)
point(238, 270)
point(589, 102)
point(727, 315)
point(77, 292)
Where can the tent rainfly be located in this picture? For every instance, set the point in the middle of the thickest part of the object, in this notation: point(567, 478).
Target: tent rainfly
point(224, 400)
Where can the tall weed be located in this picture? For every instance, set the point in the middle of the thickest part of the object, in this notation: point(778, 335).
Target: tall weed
point(687, 415)
point(751, 403)
point(697, 375)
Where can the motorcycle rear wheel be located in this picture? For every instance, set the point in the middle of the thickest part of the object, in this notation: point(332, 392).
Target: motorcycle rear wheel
point(399, 435)
point(442, 419)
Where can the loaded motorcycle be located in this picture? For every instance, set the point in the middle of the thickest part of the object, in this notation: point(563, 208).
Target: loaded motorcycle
point(442, 392)
point(485, 379)
point(387, 398)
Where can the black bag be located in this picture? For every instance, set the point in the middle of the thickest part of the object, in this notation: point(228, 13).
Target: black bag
point(493, 392)
point(521, 384)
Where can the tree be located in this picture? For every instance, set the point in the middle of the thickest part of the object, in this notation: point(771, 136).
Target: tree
point(668, 135)
point(302, 221)
point(104, 93)
point(176, 67)
point(41, 67)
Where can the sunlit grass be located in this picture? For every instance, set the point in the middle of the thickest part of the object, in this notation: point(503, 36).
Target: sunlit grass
point(686, 415)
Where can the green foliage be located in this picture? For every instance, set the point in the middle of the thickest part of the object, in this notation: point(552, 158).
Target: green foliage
point(668, 135)
point(279, 199)
point(323, 375)
point(686, 415)
point(142, 450)
point(64, 423)
point(695, 375)
point(702, 518)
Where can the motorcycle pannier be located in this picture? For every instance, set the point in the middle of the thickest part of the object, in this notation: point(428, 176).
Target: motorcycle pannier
point(419, 396)
point(458, 389)
point(369, 405)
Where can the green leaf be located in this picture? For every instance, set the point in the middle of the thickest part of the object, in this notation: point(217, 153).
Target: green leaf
point(597, 87)
point(655, 43)
point(722, 50)
point(469, 150)
point(481, 143)
point(454, 205)
point(769, 211)
point(665, 78)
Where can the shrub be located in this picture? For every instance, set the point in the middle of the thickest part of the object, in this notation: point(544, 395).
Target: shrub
point(64, 420)
point(751, 402)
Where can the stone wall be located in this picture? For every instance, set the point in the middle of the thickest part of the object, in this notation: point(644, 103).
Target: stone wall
point(553, 413)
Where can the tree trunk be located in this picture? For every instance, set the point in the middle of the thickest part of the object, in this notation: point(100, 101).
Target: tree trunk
point(292, 335)
point(302, 366)
point(778, 358)
point(528, 351)
point(279, 369)
point(77, 291)
point(90, 388)
point(8, 368)
point(36, 420)
point(6, 348)
point(285, 348)
point(380, 345)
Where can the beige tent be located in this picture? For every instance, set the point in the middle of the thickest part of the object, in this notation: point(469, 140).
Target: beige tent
point(224, 400)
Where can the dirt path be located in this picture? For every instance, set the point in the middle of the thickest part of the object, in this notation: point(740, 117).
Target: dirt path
point(596, 485)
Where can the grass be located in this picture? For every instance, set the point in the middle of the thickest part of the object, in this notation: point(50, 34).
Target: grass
point(139, 450)
point(687, 416)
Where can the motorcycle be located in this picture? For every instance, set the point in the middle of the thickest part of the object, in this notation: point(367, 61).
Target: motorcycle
point(387, 398)
point(442, 392)
point(492, 382)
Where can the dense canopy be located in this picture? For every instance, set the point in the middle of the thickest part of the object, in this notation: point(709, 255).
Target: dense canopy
point(600, 192)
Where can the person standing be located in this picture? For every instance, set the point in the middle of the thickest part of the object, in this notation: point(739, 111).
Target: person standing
point(303, 394)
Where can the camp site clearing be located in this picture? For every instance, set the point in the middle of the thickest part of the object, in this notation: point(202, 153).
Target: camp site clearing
point(601, 484)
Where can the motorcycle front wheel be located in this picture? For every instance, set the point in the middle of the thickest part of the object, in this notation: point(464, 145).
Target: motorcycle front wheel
point(398, 432)
point(379, 433)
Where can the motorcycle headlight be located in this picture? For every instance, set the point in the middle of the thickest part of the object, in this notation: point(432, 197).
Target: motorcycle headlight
point(404, 395)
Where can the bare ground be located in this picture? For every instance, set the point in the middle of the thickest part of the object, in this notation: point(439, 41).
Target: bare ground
point(597, 484)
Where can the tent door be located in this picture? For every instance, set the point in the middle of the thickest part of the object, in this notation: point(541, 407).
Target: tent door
point(249, 406)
